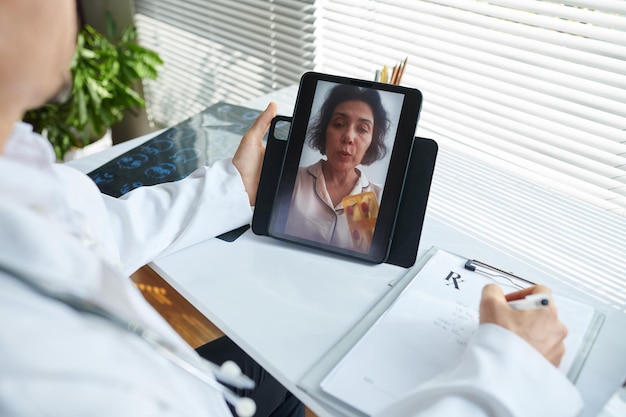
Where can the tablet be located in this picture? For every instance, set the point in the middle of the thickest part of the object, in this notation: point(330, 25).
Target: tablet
point(344, 165)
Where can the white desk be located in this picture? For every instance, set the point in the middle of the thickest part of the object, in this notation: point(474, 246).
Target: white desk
point(286, 306)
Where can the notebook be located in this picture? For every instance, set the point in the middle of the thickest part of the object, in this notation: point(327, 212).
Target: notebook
point(424, 328)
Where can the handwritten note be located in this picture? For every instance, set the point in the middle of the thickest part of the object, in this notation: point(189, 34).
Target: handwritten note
point(462, 323)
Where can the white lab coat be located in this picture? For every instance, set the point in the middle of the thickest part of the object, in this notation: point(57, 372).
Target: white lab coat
point(57, 227)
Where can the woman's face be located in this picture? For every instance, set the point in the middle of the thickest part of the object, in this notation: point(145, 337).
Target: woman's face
point(349, 134)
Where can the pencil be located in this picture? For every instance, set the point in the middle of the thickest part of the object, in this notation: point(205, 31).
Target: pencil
point(401, 71)
point(394, 73)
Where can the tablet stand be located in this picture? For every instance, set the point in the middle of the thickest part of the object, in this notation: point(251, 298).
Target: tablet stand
point(412, 208)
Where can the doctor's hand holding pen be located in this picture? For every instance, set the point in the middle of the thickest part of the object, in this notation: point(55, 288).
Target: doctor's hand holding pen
point(531, 314)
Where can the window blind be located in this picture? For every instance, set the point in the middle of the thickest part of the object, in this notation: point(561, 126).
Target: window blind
point(535, 86)
point(218, 50)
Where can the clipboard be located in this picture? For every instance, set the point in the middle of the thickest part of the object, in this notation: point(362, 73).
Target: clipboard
point(417, 281)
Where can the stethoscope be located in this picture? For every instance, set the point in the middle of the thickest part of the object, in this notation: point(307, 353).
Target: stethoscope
point(228, 373)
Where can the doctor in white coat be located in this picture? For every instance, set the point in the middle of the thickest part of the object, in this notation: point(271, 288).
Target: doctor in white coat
point(59, 232)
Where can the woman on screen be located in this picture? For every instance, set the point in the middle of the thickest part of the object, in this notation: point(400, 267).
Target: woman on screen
point(350, 131)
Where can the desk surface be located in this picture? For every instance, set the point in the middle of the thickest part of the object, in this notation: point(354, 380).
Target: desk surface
point(287, 306)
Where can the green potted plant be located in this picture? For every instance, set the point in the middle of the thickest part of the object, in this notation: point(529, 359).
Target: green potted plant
point(106, 71)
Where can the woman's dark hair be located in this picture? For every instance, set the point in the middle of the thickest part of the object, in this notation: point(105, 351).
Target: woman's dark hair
point(340, 94)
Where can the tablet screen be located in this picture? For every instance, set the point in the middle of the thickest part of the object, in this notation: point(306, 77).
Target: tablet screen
point(344, 165)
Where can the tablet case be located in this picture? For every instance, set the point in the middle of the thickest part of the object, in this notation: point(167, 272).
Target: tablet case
point(411, 210)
